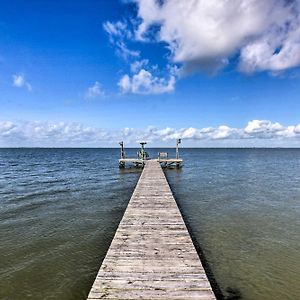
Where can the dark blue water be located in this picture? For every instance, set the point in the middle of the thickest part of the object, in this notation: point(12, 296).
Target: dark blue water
point(59, 209)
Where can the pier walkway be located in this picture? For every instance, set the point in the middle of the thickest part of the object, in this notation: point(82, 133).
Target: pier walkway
point(152, 255)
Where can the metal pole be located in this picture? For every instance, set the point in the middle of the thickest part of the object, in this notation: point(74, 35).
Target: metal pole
point(177, 148)
point(122, 150)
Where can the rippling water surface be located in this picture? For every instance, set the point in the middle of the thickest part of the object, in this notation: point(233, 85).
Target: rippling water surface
point(59, 209)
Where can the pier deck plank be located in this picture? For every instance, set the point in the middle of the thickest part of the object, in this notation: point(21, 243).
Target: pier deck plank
point(152, 255)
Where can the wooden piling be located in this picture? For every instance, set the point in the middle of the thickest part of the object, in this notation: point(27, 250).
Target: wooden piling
point(152, 255)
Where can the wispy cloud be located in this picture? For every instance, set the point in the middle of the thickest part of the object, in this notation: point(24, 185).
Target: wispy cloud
point(257, 132)
point(117, 29)
point(137, 65)
point(119, 34)
point(20, 82)
point(94, 91)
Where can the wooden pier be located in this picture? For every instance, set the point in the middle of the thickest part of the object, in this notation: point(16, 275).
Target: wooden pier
point(152, 255)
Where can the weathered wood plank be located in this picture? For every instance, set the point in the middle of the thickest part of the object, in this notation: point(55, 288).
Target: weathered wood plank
point(152, 255)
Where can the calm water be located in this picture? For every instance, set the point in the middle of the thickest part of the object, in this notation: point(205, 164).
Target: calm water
point(59, 209)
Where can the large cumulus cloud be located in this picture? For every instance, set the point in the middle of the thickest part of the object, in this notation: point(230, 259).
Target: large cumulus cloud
point(204, 35)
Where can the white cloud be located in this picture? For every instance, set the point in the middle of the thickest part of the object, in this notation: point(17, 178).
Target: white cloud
point(255, 129)
point(297, 129)
point(256, 132)
point(6, 128)
point(268, 130)
point(263, 126)
point(20, 82)
point(204, 35)
point(124, 52)
point(49, 134)
point(144, 78)
point(119, 33)
point(144, 82)
point(136, 66)
point(223, 132)
point(94, 91)
point(116, 29)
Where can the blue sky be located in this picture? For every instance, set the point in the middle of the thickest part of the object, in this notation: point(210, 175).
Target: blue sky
point(89, 73)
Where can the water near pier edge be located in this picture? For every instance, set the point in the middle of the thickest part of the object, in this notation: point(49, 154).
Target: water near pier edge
point(59, 209)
